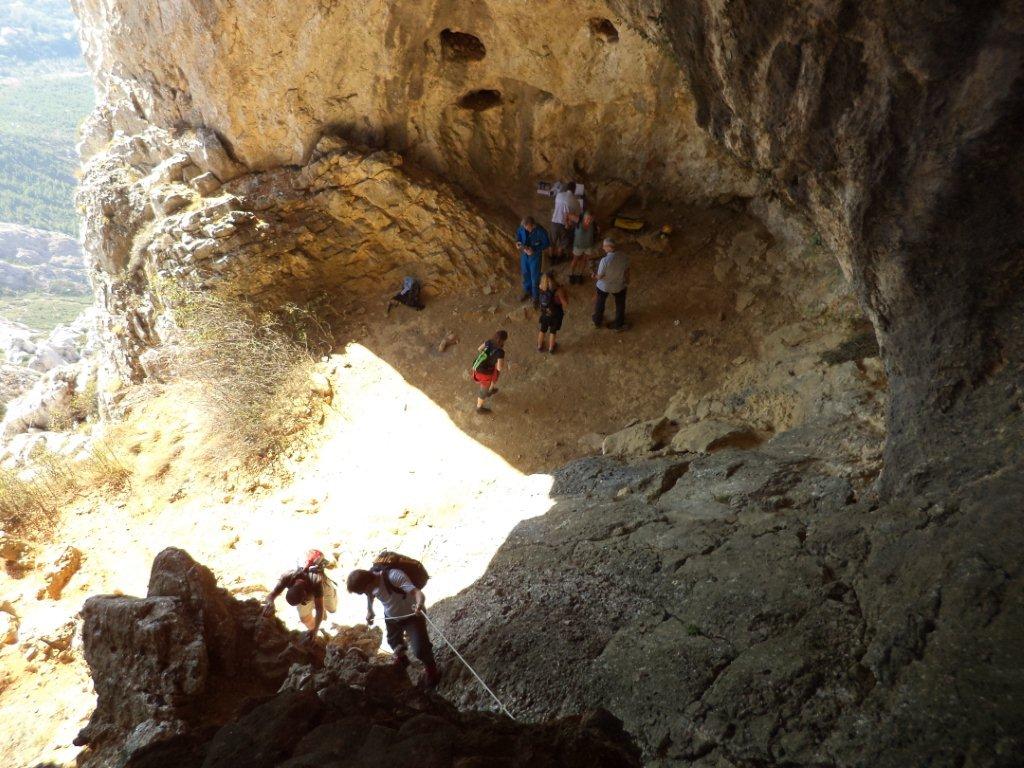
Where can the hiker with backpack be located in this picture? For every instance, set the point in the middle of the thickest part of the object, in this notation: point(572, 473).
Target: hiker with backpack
point(397, 582)
point(553, 301)
point(487, 367)
point(531, 239)
point(309, 589)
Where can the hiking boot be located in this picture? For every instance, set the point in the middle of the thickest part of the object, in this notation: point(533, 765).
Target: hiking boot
point(492, 392)
point(540, 348)
point(525, 297)
point(552, 350)
point(401, 661)
point(483, 409)
point(620, 328)
point(536, 303)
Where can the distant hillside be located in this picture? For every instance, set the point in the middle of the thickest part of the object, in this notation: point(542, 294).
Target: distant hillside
point(43, 282)
point(36, 31)
point(44, 94)
point(32, 260)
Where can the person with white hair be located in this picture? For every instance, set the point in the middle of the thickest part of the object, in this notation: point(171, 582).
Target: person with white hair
point(612, 278)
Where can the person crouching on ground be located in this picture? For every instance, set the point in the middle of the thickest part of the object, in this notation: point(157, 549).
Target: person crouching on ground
point(531, 240)
point(553, 301)
point(403, 617)
point(583, 248)
point(309, 589)
point(487, 367)
point(612, 278)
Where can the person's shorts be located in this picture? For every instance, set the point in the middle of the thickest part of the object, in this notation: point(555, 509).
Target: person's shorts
point(579, 252)
point(484, 380)
point(308, 609)
point(551, 323)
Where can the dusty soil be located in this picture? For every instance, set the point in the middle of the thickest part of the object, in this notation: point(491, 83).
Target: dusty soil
point(684, 334)
point(401, 459)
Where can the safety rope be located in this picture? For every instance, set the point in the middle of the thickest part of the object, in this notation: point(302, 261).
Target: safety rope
point(459, 655)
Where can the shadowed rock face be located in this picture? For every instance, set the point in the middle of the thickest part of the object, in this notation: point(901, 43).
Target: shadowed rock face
point(188, 677)
point(746, 609)
point(894, 125)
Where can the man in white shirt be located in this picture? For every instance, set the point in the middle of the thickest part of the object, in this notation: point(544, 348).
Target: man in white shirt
point(403, 605)
point(612, 278)
point(567, 208)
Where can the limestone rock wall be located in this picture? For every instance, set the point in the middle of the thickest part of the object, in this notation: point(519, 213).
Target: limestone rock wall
point(894, 125)
point(491, 94)
point(188, 677)
point(351, 221)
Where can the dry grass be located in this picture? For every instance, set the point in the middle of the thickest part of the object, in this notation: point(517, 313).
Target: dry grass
point(33, 498)
point(249, 371)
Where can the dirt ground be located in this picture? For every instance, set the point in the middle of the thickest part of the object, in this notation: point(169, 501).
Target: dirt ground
point(401, 459)
point(684, 333)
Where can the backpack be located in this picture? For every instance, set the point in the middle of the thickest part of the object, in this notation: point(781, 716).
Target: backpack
point(547, 302)
point(414, 569)
point(481, 360)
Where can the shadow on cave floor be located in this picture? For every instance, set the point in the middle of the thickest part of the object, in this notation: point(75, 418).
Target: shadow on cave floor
point(686, 334)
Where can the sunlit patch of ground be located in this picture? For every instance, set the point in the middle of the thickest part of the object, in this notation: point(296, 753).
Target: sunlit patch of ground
point(387, 469)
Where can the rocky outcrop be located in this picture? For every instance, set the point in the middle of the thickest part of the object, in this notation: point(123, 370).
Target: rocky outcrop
point(175, 659)
point(351, 222)
point(172, 670)
point(760, 607)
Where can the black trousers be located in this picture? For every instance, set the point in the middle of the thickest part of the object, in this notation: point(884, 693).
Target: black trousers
point(620, 308)
point(414, 629)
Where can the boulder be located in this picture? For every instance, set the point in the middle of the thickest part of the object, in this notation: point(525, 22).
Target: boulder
point(640, 438)
point(167, 200)
point(207, 152)
point(205, 184)
point(161, 662)
point(57, 575)
point(710, 435)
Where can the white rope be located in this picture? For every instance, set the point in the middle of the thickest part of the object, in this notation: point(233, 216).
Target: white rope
point(459, 655)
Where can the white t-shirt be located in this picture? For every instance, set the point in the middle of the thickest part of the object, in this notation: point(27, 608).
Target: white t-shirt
point(396, 602)
point(611, 272)
point(565, 203)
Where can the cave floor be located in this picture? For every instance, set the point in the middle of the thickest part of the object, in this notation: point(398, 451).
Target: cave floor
point(686, 334)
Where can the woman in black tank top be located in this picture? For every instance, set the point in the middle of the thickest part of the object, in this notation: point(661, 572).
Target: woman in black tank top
point(553, 301)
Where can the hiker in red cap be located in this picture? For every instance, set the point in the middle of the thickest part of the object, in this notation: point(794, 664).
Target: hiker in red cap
point(309, 589)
